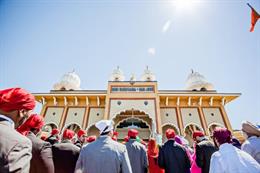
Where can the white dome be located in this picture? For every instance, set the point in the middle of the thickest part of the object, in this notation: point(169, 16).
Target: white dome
point(117, 75)
point(148, 75)
point(69, 81)
point(196, 81)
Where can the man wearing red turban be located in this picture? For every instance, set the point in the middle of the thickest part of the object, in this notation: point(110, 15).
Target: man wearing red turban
point(54, 137)
point(137, 153)
point(81, 138)
point(42, 161)
point(173, 157)
point(65, 154)
point(16, 105)
point(204, 150)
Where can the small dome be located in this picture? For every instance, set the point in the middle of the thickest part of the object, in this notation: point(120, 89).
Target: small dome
point(198, 82)
point(117, 75)
point(148, 75)
point(69, 81)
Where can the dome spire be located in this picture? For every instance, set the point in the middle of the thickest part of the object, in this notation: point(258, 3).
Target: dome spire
point(117, 75)
point(148, 75)
point(69, 81)
point(197, 82)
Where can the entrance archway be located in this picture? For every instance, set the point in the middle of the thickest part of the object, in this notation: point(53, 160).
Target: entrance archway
point(189, 129)
point(168, 126)
point(73, 126)
point(133, 119)
point(212, 127)
point(47, 128)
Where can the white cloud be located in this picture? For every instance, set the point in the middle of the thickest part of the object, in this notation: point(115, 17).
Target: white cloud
point(166, 26)
point(151, 51)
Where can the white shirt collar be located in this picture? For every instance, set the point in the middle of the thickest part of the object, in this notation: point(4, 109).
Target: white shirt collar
point(7, 119)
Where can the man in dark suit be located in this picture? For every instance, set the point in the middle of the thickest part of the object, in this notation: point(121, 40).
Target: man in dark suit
point(172, 156)
point(204, 150)
point(41, 161)
point(16, 105)
point(65, 154)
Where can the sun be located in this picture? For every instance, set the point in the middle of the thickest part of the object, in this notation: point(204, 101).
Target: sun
point(185, 4)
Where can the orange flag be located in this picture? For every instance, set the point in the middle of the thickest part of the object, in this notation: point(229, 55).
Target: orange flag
point(254, 17)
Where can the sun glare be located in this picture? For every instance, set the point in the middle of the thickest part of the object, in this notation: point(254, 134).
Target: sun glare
point(185, 4)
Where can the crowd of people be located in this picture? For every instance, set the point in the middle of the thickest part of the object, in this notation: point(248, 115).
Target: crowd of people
point(24, 149)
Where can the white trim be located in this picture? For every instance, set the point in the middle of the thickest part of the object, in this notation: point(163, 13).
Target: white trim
point(133, 118)
point(170, 124)
point(166, 101)
point(66, 125)
point(193, 124)
point(54, 101)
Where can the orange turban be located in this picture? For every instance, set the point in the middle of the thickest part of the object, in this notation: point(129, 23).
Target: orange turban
point(16, 99)
point(81, 132)
point(132, 133)
point(33, 122)
point(68, 134)
point(170, 133)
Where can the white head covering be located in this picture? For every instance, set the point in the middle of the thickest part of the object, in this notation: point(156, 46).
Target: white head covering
point(104, 126)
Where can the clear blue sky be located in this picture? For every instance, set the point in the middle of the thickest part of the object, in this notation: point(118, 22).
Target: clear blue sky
point(41, 40)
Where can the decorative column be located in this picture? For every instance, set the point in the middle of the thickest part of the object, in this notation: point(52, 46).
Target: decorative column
point(85, 119)
point(225, 118)
point(63, 118)
point(180, 121)
point(203, 121)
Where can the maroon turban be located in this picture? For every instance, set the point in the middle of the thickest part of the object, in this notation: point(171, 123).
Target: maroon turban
point(16, 99)
point(222, 135)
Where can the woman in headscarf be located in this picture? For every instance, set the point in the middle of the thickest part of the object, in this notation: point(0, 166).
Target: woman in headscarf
point(152, 153)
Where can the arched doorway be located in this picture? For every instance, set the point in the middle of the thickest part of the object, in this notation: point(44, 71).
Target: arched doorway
point(168, 126)
point(189, 129)
point(133, 119)
point(47, 128)
point(73, 126)
point(212, 127)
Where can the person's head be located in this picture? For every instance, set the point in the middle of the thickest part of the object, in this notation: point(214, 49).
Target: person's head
point(221, 135)
point(43, 137)
point(81, 135)
point(91, 139)
point(17, 104)
point(115, 135)
point(34, 124)
point(105, 127)
point(249, 130)
point(68, 135)
point(126, 138)
point(132, 133)
point(198, 136)
point(170, 134)
point(55, 132)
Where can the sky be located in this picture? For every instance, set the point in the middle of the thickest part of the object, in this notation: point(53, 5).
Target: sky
point(40, 40)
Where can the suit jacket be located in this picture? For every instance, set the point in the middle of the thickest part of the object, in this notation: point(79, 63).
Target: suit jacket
point(52, 140)
point(42, 161)
point(137, 156)
point(15, 150)
point(204, 150)
point(173, 158)
point(103, 156)
point(65, 156)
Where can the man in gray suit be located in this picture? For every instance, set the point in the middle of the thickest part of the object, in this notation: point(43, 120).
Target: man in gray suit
point(137, 153)
point(16, 105)
point(104, 155)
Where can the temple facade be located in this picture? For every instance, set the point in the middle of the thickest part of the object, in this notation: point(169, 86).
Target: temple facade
point(136, 104)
